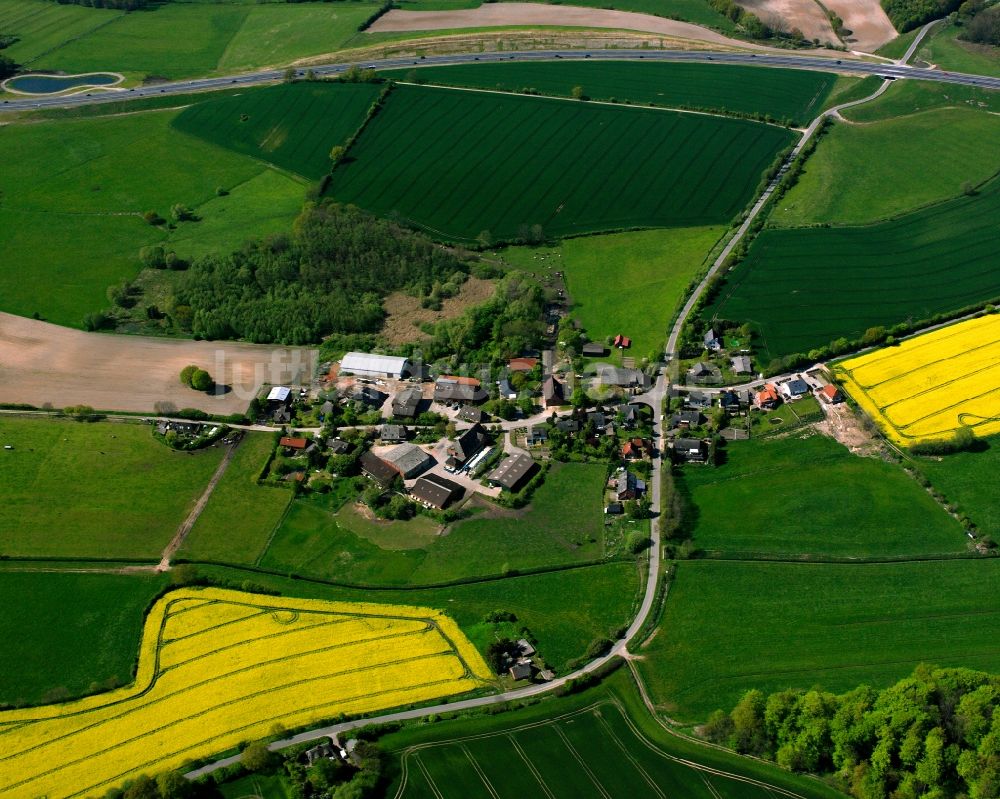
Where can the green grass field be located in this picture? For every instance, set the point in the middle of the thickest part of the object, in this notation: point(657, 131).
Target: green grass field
point(72, 204)
point(325, 537)
point(790, 94)
point(729, 627)
point(176, 40)
point(861, 173)
point(240, 516)
point(964, 479)
point(293, 126)
point(786, 497)
point(98, 490)
point(601, 742)
point(802, 288)
point(947, 51)
point(625, 282)
point(69, 631)
point(912, 96)
point(567, 166)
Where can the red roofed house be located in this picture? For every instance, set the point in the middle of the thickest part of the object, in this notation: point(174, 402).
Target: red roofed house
point(522, 364)
point(831, 394)
point(635, 448)
point(768, 399)
point(626, 342)
point(462, 381)
point(618, 340)
point(293, 443)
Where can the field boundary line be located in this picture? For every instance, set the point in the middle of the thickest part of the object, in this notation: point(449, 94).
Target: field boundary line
point(628, 755)
point(583, 764)
point(479, 770)
point(430, 780)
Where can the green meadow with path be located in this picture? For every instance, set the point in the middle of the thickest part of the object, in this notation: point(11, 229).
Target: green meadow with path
point(792, 94)
point(94, 490)
point(563, 167)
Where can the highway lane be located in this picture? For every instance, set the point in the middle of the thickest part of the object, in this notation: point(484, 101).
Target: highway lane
point(791, 60)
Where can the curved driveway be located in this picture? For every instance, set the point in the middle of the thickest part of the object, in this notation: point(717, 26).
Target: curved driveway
point(824, 64)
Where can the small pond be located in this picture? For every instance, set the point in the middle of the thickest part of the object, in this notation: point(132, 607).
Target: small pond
point(49, 84)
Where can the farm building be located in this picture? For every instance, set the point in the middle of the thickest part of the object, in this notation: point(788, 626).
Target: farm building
point(449, 389)
point(407, 402)
point(466, 446)
point(741, 365)
point(614, 509)
point(690, 450)
point(392, 433)
point(281, 394)
point(520, 671)
point(279, 400)
point(767, 398)
point(795, 389)
point(368, 364)
point(408, 459)
point(512, 473)
point(831, 394)
point(552, 392)
point(593, 349)
point(436, 492)
point(374, 468)
point(622, 342)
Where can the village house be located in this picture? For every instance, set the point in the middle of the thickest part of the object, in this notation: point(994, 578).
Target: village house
point(636, 448)
point(449, 390)
point(702, 372)
point(568, 424)
point(392, 433)
point(686, 419)
point(293, 445)
point(831, 395)
point(622, 377)
point(468, 444)
point(741, 365)
point(795, 389)
point(337, 446)
point(631, 415)
point(712, 341)
point(538, 435)
point(408, 459)
point(628, 486)
point(698, 400)
point(367, 395)
point(767, 398)
point(513, 472)
point(614, 509)
point(279, 402)
point(729, 401)
point(552, 393)
point(522, 364)
point(470, 413)
point(436, 492)
point(690, 450)
point(505, 390)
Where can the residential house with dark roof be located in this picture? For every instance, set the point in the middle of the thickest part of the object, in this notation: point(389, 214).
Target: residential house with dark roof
point(337, 446)
point(392, 433)
point(505, 390)
point(686, 419)
point(448, 390)
point(408, 459)
point(470, 413)
point(597, 418)
point(700, 400)
point(712, 341)
point(628, 486)
point(593, 349)
point(513, 472)
point(368, 396)
point(436, 492)
point(729, 401)
point(794, 389)
point(690, 450)
point(741, 365)
point(568, 424)
point(538, 435)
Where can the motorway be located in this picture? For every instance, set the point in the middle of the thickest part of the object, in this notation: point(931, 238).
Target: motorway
point(849, 65)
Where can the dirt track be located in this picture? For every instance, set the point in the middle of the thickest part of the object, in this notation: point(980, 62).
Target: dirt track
point(44, 363)
point(491, 15)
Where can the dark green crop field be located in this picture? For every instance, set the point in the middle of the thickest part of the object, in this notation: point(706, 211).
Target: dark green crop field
point(732, 626)
point(785, 497)
point(292, 126)
point(601, 742)
point(804, 287)
point(968, 480)
point(63, 632)
point(793, 94)
point(457, 163)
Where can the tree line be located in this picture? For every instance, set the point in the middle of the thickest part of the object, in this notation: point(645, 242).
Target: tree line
point(934, 734)
point(328, 276)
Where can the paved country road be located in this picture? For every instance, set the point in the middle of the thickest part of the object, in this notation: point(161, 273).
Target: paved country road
point(846, 64)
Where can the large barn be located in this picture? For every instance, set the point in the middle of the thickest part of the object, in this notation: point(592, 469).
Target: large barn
point(367, 364)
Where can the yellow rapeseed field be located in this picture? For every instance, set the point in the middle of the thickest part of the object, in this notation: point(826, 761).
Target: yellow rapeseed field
point(217, 667)
point(929, 386)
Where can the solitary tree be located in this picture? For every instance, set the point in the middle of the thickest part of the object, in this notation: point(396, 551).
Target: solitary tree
point(578, 94)
point(336, 153)
point(187, 373)
point(201, 380)
point(257, 757)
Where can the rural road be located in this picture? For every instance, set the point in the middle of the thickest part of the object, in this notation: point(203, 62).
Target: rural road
point(825, 64)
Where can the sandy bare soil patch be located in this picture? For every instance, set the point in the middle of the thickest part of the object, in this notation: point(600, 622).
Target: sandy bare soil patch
point(44, 363)
point(404, 314)
point(866, 20)
point(841, 424)
point(806, 15)
point(491, 15)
